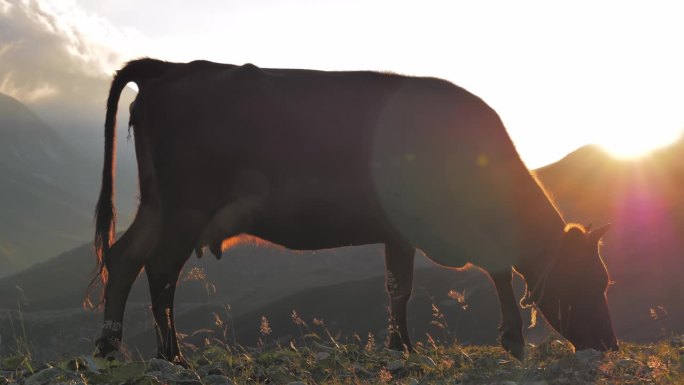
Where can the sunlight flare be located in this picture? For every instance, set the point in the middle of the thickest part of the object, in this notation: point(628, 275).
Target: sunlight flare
point(638, 144)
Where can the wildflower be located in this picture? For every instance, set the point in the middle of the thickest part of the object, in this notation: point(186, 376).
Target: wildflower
point(446, 363)
point(264, 327)
point(438, 317)
point(431, 341)
point(297, 320)
point(370, 344)
point(458, 297)
point(195, 274)
point(356, 337)
point(606, 369)
point(657, 366)
point(217, 320)
point(385, 376)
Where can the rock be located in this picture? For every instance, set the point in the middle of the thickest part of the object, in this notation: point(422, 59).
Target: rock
point(146, 379)
point(93, 364)
point(215, 379)
point(320, 356)
point(159, 365)
point(676, 341)
point(167, 371)
point(210, 369)
point(559, 366)
point(360, 370)
point(393, 353)
point(395, 365)
point(588, 357)
point(51, 376)
point(185, 378)
point(625, 362)
point(508, 383)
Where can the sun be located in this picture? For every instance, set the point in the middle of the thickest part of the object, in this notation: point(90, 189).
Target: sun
point(638, 144)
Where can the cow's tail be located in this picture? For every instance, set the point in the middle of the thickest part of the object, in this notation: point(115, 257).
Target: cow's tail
point(137, 71)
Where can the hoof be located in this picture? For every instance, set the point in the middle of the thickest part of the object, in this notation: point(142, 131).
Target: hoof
point(396, 343)
point(179, 360)
point(514, 346)
point(106, 347)
point(176, 360)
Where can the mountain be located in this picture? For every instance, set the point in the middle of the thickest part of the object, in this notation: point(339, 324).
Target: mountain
point(49, 188)
point(644, 249)
point(40, 211)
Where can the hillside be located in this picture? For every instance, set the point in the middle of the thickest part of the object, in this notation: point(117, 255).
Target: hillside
point(49, 187)
point(37, 169)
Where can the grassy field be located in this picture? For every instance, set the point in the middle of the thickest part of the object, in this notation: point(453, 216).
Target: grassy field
point(318, 358)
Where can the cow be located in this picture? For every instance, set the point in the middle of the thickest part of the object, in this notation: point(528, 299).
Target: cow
point(312, 160)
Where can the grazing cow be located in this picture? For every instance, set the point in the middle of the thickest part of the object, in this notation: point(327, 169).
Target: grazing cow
point(311, 160)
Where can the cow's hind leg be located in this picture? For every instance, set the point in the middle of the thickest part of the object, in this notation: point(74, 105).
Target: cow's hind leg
point(124, 261)
point(511, 333)
point(399, 282)
point(163, 269)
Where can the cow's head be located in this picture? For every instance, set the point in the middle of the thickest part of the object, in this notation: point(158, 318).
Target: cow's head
point(571, 291)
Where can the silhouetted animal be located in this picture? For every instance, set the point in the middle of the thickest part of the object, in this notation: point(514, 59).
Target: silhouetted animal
point(310, 160)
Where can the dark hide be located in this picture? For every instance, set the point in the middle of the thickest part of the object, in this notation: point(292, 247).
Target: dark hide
point(312, 160)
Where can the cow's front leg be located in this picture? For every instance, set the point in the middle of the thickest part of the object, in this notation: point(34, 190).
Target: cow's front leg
point(162, 281)
point(162, 275)
point(511, 333)
point(163, 269)
point(399, 283)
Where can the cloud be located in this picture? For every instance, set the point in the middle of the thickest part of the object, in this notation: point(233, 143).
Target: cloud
point(53, 53)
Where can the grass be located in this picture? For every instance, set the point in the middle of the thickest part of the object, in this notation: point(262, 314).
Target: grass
point(317, 356)
point(327, 361)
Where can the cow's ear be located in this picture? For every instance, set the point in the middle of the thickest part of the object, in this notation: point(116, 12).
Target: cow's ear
point(574, 238)
point(598, 233)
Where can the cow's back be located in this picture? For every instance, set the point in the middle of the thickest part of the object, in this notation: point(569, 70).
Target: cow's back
point(336, 158)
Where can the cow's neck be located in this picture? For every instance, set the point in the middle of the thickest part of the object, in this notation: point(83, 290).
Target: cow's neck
point(545, 227)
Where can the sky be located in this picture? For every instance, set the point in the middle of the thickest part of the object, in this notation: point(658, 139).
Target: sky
point(560, 74)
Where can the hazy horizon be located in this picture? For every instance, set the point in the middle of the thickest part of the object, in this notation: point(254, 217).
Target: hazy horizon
point(560, 76)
